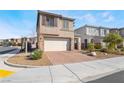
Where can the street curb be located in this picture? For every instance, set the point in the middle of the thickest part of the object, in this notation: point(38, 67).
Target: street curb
point(29, 66)
point(18, 65)
point(21, 66)
point(85, 79)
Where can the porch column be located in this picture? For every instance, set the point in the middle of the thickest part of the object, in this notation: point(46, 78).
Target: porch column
point(72, 43)
point(79, 43)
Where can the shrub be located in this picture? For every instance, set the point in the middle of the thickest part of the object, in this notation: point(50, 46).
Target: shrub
point(122, 49)
point(91, 47)
point(97, 46)
point(115, 52)
point(104, 50)
point(36, 54)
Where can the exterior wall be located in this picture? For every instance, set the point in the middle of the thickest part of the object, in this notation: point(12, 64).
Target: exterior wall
point(97, 37)
point(77, 43)
point(46, 31)
point(122, 32)
point(114, 31)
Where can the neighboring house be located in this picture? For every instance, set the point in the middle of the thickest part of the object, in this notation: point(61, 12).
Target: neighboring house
point(121, 32)
point(15, 41)
point(91, 34)
point(1, 42)
point(55, 32)
point(115, 30)
point(33, 42)
point(12, 41)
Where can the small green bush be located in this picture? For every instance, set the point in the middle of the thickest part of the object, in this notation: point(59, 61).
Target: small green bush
point(115, 52)
point(122, 49)
point(37, 54)
point(97, 46)
point(91, 47)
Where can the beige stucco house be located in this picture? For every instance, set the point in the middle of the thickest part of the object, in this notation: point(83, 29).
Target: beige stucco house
point(55, 32)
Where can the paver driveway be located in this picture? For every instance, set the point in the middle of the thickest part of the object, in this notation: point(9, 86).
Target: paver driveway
point(67, 57)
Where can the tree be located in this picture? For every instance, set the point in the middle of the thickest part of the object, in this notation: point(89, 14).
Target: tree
point(112, 40)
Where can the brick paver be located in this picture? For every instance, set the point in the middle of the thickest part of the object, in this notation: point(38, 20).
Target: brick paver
point(67, 57)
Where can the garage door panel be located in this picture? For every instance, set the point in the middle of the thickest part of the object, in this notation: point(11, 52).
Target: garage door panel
point(56, 44)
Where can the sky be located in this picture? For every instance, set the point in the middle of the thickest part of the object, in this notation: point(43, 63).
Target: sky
point(20, 23)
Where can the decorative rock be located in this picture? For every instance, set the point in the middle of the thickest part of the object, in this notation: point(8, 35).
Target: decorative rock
point(93, 53)
point(105, 54)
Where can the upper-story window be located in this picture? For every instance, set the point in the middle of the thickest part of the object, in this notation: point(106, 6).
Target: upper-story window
point(65, 24)
point(102, 32)
point(92, 31)
point(107, 31)
point(49, 21)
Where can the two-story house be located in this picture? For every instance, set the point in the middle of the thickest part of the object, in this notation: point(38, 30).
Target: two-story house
point(54, 32)
point(91, 34)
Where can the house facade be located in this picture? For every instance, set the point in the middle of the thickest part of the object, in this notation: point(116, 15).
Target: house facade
point(92, 34)
point(121, 32)
point(55, 32)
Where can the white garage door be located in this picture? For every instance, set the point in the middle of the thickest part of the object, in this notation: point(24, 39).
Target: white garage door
point(56, 44)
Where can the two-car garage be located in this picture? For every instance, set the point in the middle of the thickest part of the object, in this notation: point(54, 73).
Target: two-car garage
point(56, 44)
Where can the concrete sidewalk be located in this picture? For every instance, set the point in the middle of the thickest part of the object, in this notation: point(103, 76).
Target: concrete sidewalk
point(77, 72)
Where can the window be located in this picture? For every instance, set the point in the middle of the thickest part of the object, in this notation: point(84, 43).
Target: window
point(102, 32)
point(92, 31)
point(107, 32)
point(65, 24)
point(49, 21)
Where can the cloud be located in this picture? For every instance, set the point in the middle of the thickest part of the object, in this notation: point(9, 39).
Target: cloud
point(89, 18)
point(107, 17)
point(105, 14)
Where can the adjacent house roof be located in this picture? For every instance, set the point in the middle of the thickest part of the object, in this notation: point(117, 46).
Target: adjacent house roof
point(93, 27)
point(96, 26)
point(121, 28)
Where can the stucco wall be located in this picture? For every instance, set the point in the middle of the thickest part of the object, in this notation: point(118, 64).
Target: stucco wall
point(54, 32)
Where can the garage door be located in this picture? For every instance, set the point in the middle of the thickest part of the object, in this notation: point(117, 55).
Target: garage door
point(56, 44)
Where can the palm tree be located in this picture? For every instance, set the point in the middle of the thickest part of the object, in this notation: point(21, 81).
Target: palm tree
point(112, 40)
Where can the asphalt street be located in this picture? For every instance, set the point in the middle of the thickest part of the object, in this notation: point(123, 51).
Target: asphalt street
point(4, 50)
point(114, 78)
